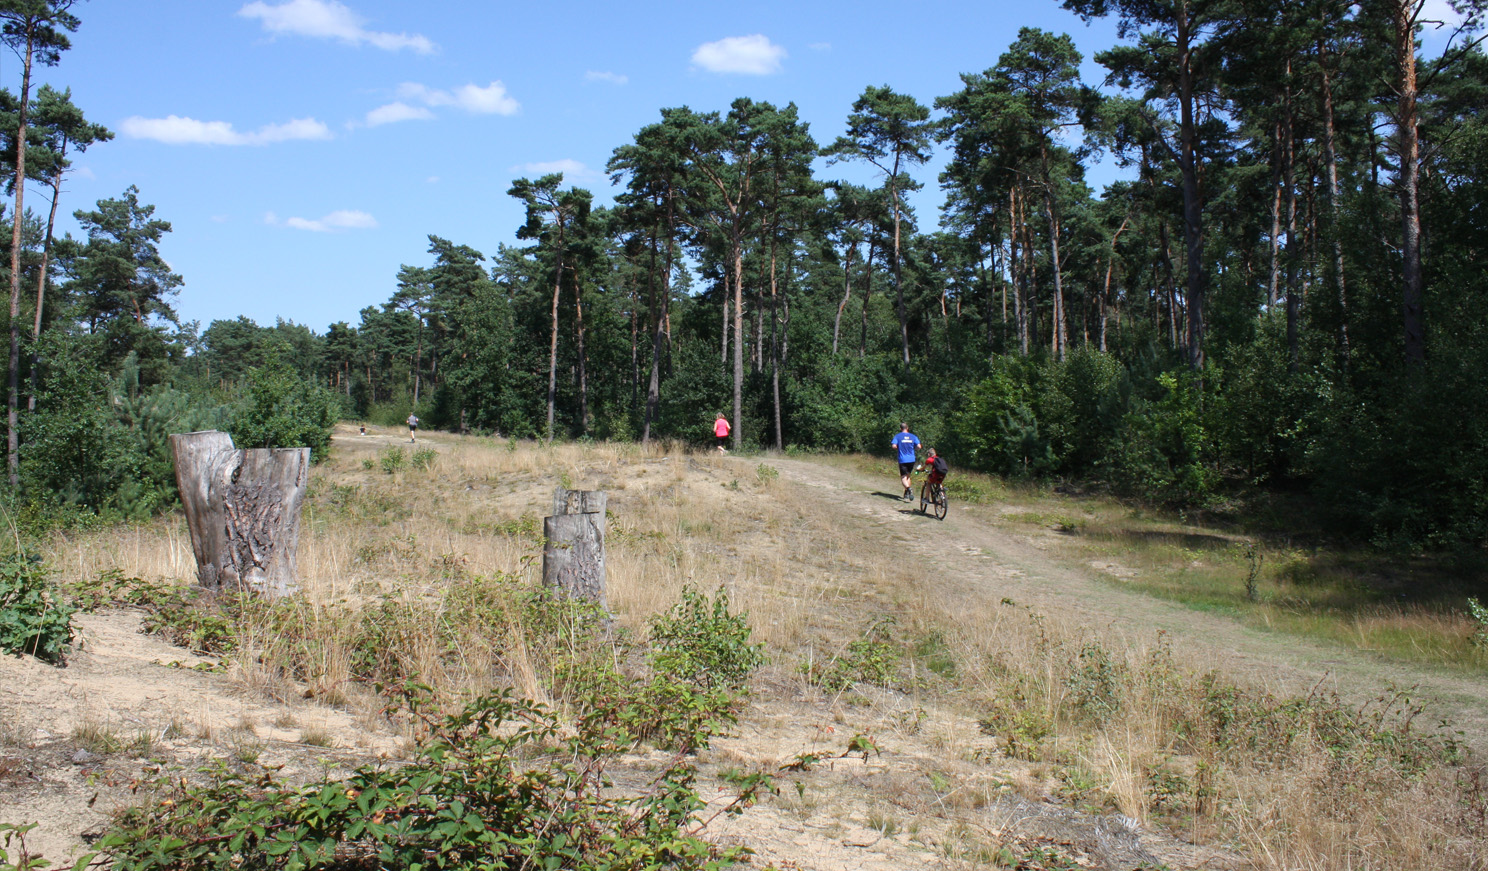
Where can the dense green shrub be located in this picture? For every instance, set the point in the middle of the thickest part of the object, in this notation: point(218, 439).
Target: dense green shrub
point(1162, 452)
point(996, 428)
point(282, 410)
point(700, 642)
point(34, 620)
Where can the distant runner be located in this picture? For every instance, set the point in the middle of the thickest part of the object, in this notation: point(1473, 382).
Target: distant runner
point(908, 446)
point(413, 427)
point(721, 429)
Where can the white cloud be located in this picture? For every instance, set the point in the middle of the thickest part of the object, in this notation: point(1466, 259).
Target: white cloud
point(395, 112)
point(606, 76)
point(328, 19)
point(221, 219)
point(175, 130)
point(752, 55)
point(85, 172)
point(345, 219)
point(820, 46)
point(433, 179)
point(572, 170)
point(490, 100)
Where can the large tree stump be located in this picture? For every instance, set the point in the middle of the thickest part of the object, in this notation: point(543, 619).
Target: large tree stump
point(243, 511)
point(573, 546)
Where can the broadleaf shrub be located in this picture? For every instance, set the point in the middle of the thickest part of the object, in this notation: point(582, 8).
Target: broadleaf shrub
point(34, 619)
point(282, 410)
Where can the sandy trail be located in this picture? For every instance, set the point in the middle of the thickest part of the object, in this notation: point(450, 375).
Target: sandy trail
point(969, 555)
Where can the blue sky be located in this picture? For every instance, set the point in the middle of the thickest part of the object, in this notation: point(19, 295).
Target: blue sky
point(304, 149)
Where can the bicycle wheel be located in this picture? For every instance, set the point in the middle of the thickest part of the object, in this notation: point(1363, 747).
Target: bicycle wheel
point(927, 497)
point(942, 502)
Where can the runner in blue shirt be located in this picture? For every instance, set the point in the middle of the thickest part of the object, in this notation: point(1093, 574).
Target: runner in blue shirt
point(908, 446)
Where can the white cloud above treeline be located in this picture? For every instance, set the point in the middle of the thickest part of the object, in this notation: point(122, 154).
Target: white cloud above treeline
point(337, 221)
point(753, 55)
point(177, 130)
point(328, 19)
point(606, 76)
point(572, 170)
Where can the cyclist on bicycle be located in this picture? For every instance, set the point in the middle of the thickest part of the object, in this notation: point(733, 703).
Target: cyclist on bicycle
point(935, 464)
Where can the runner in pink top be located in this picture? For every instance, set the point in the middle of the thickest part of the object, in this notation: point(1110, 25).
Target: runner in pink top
point(721, 429)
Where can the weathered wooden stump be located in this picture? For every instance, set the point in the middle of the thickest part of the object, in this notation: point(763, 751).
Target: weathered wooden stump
point(573, 546)
point(243, 511)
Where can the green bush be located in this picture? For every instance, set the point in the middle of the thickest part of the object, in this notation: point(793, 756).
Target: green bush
point(282, 410)
point(34, 620)
point(392, 459)
point(1162, 452)
point(872, 658)
point(697, 666)
point(995, 428)
point(700, 642)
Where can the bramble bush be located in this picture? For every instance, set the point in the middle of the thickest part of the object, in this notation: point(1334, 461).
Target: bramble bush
point(34, 619)
point(499, 784)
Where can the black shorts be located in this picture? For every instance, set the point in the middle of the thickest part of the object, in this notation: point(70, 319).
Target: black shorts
point(905, 469)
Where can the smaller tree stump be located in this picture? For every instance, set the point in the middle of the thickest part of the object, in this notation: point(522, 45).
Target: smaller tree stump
point(243, 511)
point(573, 545)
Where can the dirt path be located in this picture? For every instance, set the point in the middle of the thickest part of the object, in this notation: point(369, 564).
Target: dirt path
point(970, 555)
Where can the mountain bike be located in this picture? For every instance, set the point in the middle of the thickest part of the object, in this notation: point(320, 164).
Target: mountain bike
point(933, 497)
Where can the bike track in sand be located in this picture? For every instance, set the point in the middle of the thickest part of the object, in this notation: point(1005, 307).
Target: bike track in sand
point(971, 555)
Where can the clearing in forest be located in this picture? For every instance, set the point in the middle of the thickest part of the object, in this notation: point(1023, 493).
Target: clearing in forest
point(966, 693)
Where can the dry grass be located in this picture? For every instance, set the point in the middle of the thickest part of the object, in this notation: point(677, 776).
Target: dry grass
point(431, 559)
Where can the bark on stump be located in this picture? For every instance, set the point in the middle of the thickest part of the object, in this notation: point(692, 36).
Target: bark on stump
point(573, 546)
point(243, 511)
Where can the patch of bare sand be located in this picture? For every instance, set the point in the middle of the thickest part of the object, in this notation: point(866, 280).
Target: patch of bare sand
point(143, 695)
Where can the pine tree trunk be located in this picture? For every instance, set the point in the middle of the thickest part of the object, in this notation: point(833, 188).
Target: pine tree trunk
point(775, 346)
point(1015, 273)
point(553, 334)
point(1060, 335)
point(1193, 227)
point(867, 293)
point(583, 362)
point(898, 274)
point(1293, 292)
point(1273, 291)
point(1106, 288)
point(738, 432)
point(1410, 179)
point(17, 219)
point(41, 280)
point(846, 295)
